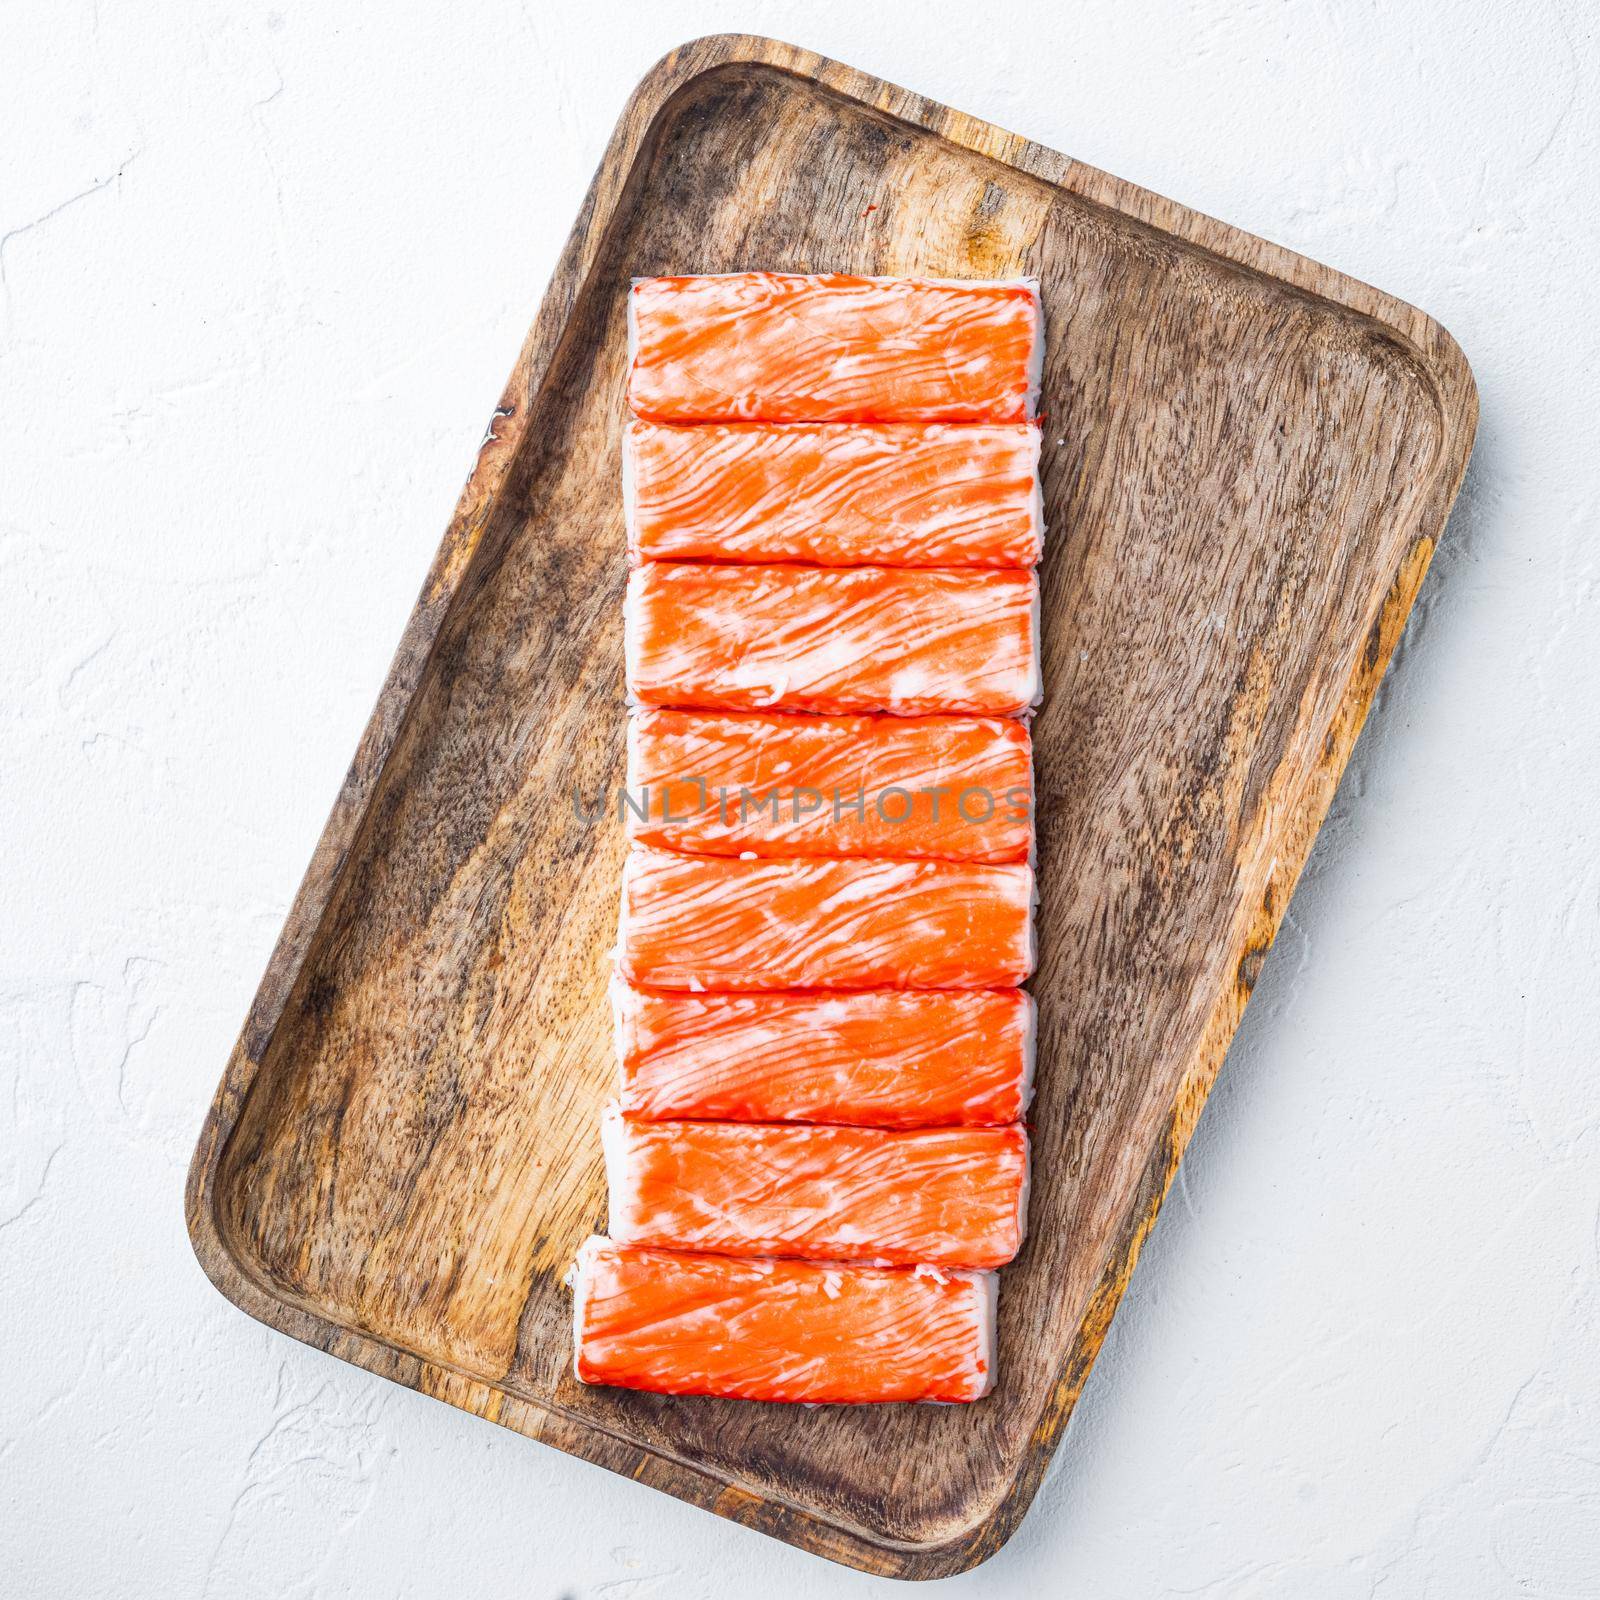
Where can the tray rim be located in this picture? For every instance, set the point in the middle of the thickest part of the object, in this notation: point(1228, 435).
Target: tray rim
point(1428, 344)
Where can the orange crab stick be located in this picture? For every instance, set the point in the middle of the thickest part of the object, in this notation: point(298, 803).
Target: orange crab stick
point(950, 1197)
point(783, 347)
point(677, 1323)
point(832, 639)
point(719, 923)
point(900, 495)
point(952, 788)
point(883, 1059)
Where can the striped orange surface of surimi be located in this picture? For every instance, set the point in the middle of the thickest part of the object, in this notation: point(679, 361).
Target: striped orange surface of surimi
point(899, 495)
point(882, 1058)
point(782, 347)
point(722, 783)
point(721, 923)
point(948, 1197)
point(693, 1324)
point(831, 639)
point(852, 639)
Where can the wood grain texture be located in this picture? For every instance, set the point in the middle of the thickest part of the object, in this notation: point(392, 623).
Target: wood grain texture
point(1247, 461)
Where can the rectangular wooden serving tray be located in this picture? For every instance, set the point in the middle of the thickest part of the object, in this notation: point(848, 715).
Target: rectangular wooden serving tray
point(1248, 459)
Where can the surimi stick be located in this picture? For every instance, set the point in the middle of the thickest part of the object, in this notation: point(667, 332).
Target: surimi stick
point(690, 1324)
point(723, 783)
point(719, 923)
point(899, 495)
point(942, 1058)
point(949, 1197)
point(781, 347)
point(832, 640)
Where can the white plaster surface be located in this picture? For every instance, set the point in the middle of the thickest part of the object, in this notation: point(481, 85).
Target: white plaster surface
point(263, 270)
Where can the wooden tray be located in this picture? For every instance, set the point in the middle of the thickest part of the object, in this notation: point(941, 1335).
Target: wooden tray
point(1248, 460)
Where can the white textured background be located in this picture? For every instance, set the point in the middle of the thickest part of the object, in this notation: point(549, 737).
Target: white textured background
point(263, 271)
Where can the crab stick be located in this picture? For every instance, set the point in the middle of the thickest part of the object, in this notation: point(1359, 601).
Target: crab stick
point(721, 923)
point(786, 347)
point(679, 1323)
point(949, 1197)
point(899, 495)
point(724, 783)
point(832, 639)
point(882, 1058)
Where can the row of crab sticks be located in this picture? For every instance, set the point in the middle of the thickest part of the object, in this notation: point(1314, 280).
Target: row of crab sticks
point(816, 1159)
